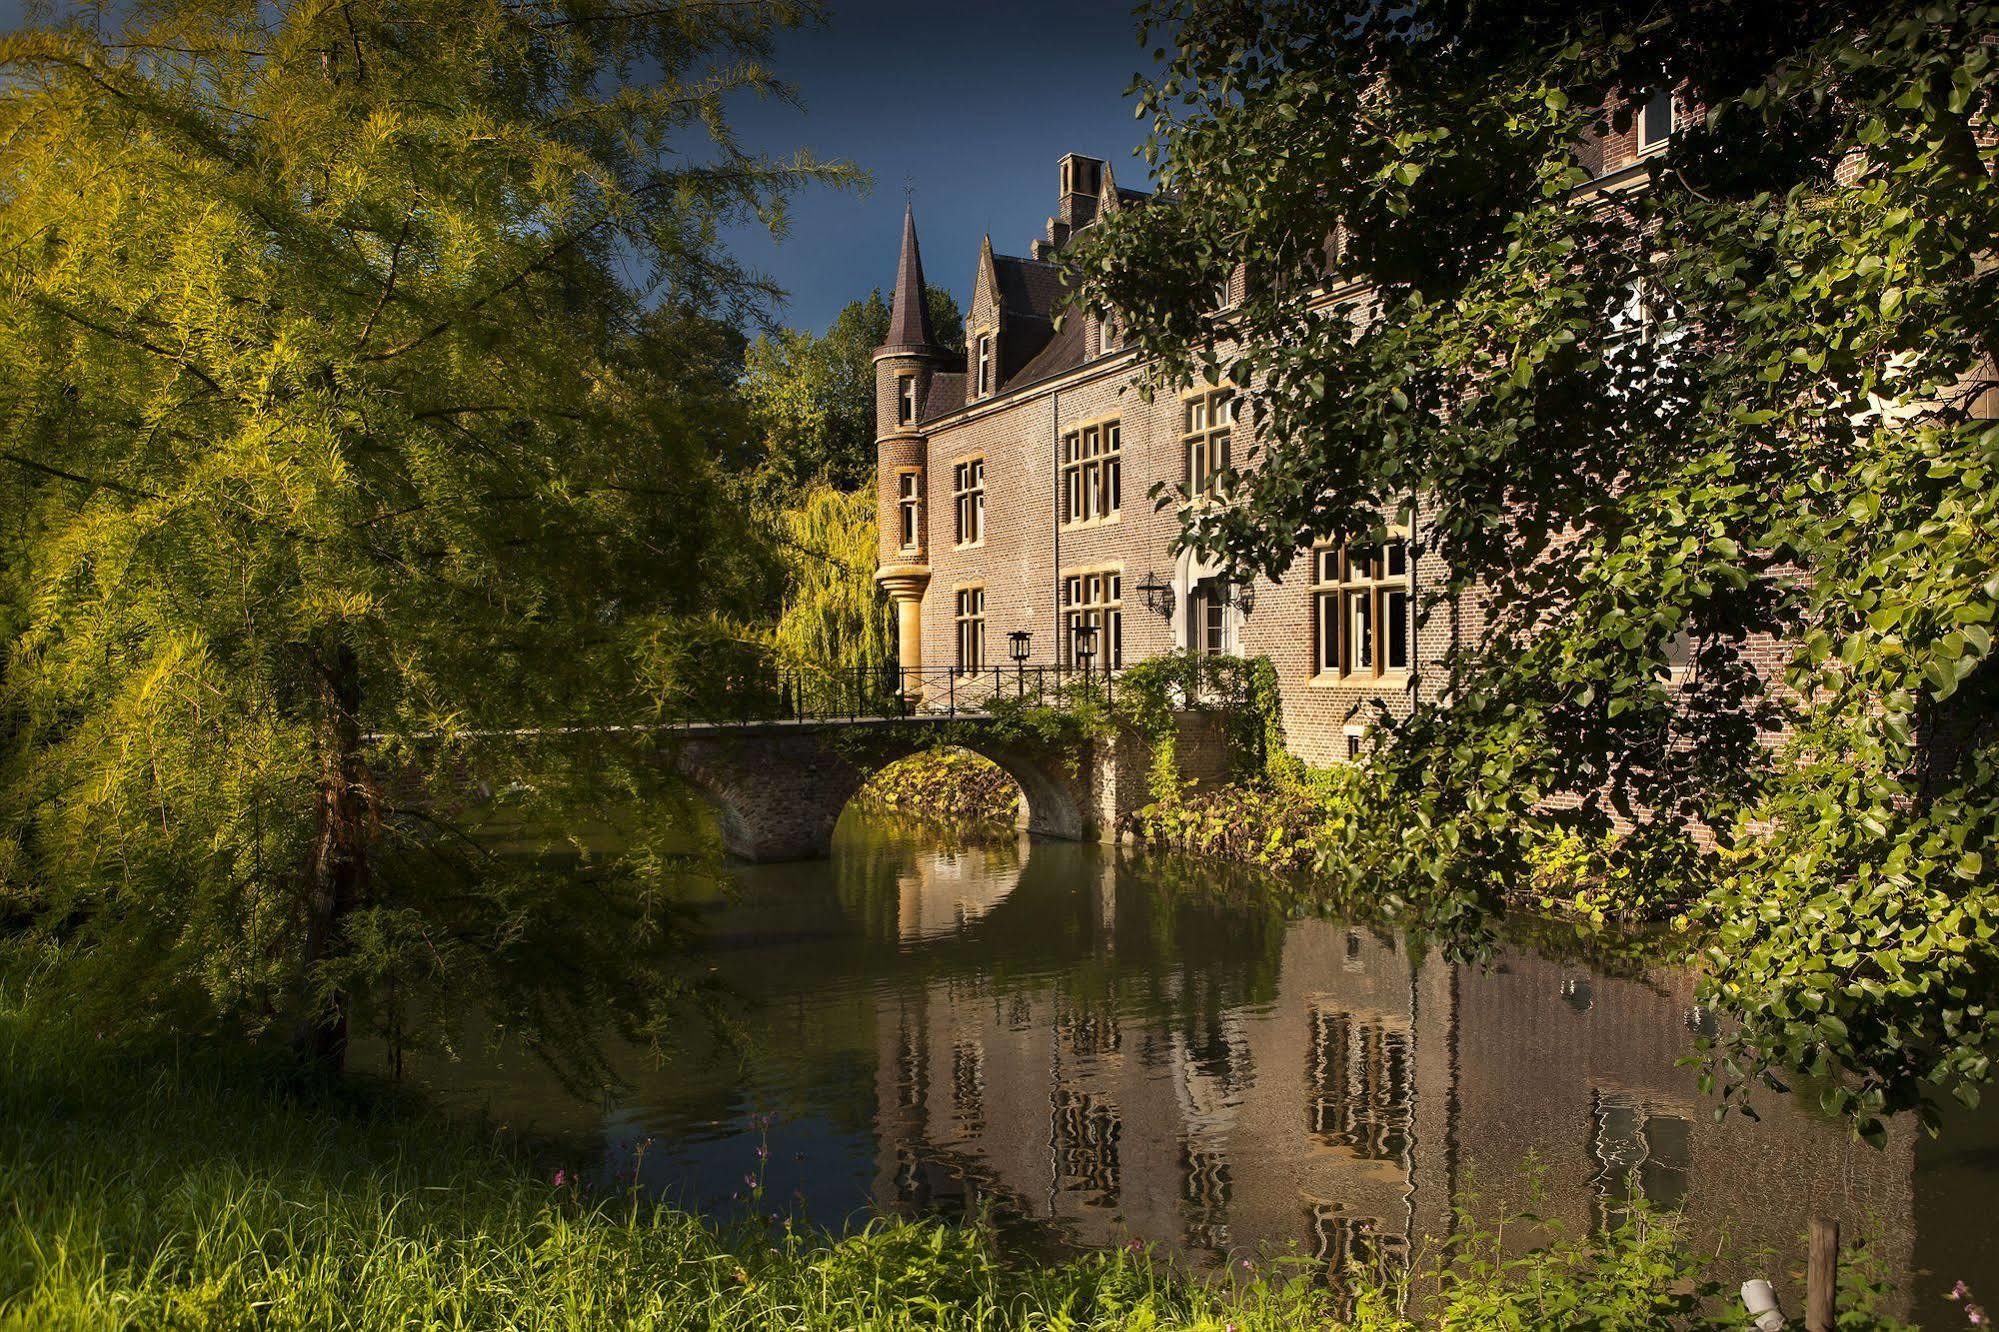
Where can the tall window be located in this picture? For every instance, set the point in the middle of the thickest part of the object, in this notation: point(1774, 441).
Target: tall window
point(971, 622)
point(1656, 121)
point(1094, 601)
point(968, 496)
point(1209, 607)
point(1092, 473)
point(1360, 602)
point(905, 399)
point(982, 365)
point(909, 509)
point(1210, 417)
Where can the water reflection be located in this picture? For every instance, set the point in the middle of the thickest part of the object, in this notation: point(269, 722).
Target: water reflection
point(1063, 1037)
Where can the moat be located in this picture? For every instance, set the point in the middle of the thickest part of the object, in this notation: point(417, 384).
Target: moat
point(1090, 1045)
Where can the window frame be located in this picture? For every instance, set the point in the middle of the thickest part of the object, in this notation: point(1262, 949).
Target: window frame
point(983, 359)
point(1644, 138)
point(909, 508)
point(968, 501)
point(1091, 467)
point(968, 620)
point(1353, 589)
point(905, 399)
point(1093, 594)
point(1201, 439)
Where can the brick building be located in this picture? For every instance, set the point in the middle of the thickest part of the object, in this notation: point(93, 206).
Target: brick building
point(1013, 483)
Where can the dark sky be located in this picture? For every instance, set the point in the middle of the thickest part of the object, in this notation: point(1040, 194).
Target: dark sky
point(969, 106)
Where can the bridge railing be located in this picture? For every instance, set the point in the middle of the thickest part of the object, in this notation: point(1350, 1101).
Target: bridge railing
point(748, 695)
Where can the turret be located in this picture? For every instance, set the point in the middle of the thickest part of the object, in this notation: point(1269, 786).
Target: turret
point(906, 367)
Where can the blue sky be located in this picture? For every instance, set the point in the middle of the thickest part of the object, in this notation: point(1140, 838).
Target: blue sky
point(967, 105)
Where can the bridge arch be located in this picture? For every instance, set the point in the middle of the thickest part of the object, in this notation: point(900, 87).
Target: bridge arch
point(778, 789)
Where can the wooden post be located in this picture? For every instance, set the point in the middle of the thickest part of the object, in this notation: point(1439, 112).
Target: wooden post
point(1821, 1275)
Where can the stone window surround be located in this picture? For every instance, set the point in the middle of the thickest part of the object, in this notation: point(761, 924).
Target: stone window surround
point(1078, 465)
point(1106, 612)
point(968, 501)
point(909, 507)
point(1339, 590)
point(968, 618)
point(1206, 437)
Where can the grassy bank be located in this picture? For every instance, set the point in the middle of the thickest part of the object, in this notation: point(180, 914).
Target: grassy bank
point(164, 1185)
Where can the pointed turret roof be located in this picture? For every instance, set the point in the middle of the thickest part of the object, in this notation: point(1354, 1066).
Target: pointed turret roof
point(909, 311)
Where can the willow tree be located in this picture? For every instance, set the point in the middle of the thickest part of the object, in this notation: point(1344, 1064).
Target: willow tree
point(1745, 398)
point(363, 366)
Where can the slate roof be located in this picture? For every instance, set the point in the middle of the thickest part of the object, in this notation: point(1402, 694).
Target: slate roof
point(947, 394)
point(1064, 352)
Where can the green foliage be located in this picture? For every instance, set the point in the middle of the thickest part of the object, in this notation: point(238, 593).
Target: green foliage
point(812, 399)
point(1792, 439)
point(833, 614)
point(365, 365)
point(950, 785)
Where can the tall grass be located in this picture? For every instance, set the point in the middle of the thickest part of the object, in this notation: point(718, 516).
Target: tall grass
point(152, 1187)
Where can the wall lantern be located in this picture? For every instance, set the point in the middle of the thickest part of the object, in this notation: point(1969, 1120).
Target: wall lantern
point(1241, 595)
point(1017, 644)
point(1158, 595)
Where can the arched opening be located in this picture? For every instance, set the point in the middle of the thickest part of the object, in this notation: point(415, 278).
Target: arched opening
point(991, 785)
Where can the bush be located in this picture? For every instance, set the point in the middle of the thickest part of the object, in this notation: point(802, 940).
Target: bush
point(953, 786)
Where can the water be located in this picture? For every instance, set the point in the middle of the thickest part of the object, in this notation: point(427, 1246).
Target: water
point(1089, 1046)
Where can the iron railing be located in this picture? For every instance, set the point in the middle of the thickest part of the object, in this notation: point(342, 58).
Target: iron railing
point(887, 692)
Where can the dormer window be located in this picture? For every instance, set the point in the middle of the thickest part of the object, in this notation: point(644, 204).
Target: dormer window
point(1657, 120)
point(982, 365)
point(905, 400)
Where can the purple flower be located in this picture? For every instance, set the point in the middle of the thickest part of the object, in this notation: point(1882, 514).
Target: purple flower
point(561, 1178)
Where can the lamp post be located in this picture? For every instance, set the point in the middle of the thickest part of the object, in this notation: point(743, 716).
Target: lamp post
point(1016, 647)
point(1086, 645)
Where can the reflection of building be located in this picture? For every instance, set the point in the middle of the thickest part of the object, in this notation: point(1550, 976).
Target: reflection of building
point(943, 891)
point(1348, 1114)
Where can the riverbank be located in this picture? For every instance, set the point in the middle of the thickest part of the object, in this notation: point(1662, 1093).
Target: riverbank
point(182, 1184)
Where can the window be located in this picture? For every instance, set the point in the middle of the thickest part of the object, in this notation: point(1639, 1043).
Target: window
point(909, 509)
point(905, 399)
point(1360, 608)
point(982, 365)
point(971, 623)
point(1094, 601)
point(1209, 606)
point(968, 496)
point(1656, 121)
point(1210, 416)
point(1092, 473)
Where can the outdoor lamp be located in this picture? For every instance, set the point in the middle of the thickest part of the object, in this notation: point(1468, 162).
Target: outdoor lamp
point(1086, 644)
point(1158, 595)
point(1017, 644)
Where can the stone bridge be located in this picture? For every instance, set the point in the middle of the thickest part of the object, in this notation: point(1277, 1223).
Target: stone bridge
point(778, 787)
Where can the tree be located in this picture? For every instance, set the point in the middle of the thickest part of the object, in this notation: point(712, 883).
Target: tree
point(365, 364)
point(834, 616)
point(1746, 397)
point(812, 399)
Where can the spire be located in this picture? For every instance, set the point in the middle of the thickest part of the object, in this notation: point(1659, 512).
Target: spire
point(909, 312)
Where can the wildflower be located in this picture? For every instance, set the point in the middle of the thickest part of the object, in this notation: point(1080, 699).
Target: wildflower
point(1134, 1246)
point(560, 1178)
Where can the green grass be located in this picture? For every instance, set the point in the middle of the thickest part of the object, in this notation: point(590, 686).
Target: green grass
point(161, 1185)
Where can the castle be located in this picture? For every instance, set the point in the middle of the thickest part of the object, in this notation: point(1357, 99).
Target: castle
point(1012, 485)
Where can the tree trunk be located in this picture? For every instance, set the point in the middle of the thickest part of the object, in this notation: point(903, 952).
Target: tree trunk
point(337, 873)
